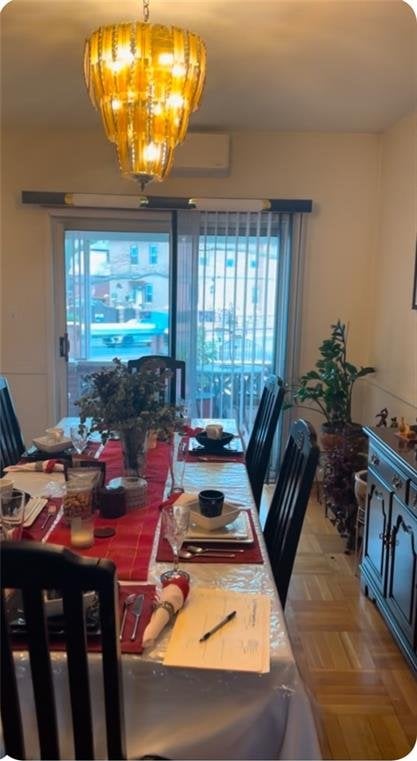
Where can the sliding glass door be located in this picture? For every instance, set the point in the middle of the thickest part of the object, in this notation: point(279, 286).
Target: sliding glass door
point(115, 298)
point(221, 290)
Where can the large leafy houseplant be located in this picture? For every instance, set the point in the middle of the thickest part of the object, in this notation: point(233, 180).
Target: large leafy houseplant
point(329, 387)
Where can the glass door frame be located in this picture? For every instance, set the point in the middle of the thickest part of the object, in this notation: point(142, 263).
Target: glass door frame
point(95, 219)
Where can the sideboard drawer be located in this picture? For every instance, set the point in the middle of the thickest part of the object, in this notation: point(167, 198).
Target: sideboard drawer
point(394, 479)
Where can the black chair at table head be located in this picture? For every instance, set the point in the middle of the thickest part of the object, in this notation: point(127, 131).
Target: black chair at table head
point(11, 440)
point(258, 451)
point(33, 567)
point(177, 367)
point(289, 502)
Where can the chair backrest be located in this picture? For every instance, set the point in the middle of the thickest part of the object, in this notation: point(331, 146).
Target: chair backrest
point(33, 567)
point(177, 367)
point(11, 441)
point(289, 502)
point(258, 451)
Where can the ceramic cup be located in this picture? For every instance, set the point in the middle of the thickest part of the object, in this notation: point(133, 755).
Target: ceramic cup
point(214, 431)
point(211, 502)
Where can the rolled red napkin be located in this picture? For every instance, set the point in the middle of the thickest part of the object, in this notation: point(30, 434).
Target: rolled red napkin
point(42, 466)
point(172, 598)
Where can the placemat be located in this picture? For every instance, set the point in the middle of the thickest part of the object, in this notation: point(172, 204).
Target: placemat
point(94, 641)
point(251, 553)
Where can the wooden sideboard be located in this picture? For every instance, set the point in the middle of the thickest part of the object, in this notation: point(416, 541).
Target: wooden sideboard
point(389, 558)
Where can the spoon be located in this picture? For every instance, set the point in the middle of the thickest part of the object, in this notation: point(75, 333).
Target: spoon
point(210, 554)
point(128, 601)
point(200, 550)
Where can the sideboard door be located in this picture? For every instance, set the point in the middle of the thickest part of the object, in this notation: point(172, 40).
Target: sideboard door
point(376, 532)
point(402, 569)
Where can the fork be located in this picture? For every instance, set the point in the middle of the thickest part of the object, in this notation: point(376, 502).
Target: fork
point(50, 512)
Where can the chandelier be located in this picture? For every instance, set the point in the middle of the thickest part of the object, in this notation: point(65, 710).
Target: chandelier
point(146, 80)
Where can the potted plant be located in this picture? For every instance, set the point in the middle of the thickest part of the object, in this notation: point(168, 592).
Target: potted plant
point(328, 388)
point(129, 404)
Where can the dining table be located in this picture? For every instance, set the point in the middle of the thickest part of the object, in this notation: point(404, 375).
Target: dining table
point(180, 712)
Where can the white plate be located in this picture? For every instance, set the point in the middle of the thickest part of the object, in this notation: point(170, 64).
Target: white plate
point(44, 444)
point(238, 532)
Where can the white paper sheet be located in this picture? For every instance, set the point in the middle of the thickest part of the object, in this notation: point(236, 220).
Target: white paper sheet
point(242, 644)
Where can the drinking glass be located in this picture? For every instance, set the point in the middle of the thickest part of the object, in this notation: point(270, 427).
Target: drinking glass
point(175, 522)
point(12, 511)
point(79, 438)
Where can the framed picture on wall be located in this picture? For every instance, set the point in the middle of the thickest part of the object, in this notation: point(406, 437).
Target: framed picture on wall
point(414, 301)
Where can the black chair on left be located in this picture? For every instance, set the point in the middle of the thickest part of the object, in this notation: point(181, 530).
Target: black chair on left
point(11, 440)
point(32, 567)
point(289, 502)
point(176, 384)
point(258, 451)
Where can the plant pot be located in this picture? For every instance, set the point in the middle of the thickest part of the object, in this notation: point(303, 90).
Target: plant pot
point(350, 435)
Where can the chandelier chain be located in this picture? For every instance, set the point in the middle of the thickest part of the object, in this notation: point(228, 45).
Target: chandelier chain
point(146, 11)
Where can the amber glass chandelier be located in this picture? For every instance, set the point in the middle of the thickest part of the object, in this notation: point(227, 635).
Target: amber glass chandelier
point(146, 80)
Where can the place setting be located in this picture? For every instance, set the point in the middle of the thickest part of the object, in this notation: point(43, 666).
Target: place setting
point(136, 606)
point(213, 444)
point(213, 530)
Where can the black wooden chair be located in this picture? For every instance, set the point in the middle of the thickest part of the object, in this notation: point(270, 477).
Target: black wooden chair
point(11, 441)
point(177, 366)
point(32, 568)
point(289, 502)
point(258, 451)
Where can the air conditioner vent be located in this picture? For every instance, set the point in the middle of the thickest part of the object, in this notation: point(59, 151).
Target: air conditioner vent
point(202, 154)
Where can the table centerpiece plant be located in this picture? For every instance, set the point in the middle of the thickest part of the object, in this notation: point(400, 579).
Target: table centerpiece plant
point(118, 401)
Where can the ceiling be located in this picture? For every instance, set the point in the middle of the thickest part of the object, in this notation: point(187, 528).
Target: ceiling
point(338, 65)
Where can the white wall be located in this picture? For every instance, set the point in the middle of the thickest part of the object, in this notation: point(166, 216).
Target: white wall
point(339, 172)
point(394, 335)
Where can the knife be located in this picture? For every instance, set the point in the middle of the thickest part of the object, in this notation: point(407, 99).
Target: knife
point(137, 610)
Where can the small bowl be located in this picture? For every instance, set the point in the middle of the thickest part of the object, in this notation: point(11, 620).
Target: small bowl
point(214, 444)
point(229, 514)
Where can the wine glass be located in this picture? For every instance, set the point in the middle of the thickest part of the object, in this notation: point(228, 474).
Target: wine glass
point(175, 521)
point(79, 438)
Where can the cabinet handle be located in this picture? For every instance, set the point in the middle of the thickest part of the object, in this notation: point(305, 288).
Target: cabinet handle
point(385, 539)
point(391, 541)
point(378, 494)
point(374, 459)
point(396, 482)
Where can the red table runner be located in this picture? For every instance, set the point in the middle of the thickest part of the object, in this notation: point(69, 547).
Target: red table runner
point(131, 546)
point(251, 553)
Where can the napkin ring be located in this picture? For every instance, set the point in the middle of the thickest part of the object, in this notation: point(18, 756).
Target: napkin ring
point(168, 606)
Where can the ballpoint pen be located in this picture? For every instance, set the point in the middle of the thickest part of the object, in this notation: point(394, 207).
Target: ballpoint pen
point(218, 626)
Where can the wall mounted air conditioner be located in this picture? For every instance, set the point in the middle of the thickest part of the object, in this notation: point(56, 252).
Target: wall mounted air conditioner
point(202, 154)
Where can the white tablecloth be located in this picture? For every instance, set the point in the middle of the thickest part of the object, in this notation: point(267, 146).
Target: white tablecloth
point(196, 713)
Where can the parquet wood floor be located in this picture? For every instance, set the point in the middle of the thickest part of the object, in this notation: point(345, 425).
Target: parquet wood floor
point(363, 693)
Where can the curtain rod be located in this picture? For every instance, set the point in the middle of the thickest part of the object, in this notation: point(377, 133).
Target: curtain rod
point(108, 201)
